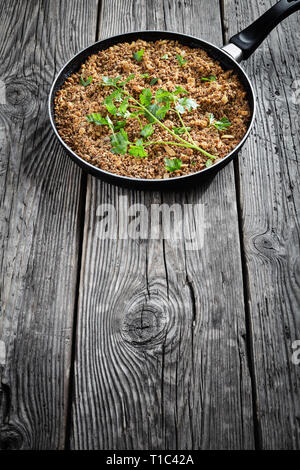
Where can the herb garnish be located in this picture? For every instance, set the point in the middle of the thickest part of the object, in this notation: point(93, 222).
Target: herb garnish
point(173, 164)
point(147, 130)
point(164, 57)
point(138, 55)
point(97, 119)
point(220, 125)
point(185, 104)
point(119, 142)
point(211, 78)
point(154, 108)
point(153, 81)
point(137, 149)
point(181, 61)
point(181, 130)
point(85, 82)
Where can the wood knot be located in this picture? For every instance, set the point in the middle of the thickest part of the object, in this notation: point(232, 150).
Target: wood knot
point(21, 99)
point(10, 438)
point(145, 324)
point(266, 245)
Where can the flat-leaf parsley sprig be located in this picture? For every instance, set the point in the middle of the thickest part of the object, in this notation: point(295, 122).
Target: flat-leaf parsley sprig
point(181, 61)
point(86, 82)
point(154, 107)
point(211, 78)
point(173, 165)
point(138, 56)
point(220, 125)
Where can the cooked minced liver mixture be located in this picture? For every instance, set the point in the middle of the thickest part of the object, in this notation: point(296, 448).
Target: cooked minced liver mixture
point(224, 96)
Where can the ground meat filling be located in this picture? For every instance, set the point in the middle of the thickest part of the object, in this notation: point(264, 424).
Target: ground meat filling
point(223, 97)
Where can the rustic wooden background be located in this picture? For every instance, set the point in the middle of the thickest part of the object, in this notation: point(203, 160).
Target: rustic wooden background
point(123, 344)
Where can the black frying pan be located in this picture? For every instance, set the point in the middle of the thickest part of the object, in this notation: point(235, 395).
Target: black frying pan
point(240, 47)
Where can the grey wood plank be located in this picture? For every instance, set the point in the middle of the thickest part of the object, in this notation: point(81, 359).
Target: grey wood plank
point(270, 197)
point(160, 356)
point(40, 222)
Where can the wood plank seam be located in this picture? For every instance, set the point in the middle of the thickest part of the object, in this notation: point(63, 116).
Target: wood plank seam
point(248, 341)
point(81, 218)
point(249, 333)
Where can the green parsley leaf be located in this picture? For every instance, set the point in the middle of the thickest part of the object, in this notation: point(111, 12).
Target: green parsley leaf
point(162, 111)
point(152, 108)
point(185, 104)
point(119, 142)
point(129, 115)
point(119, 125)
point(146, 97)
point(153, 81)
point(164, 57)
point(163, 96)
point(138, 150)
point(179, 90)
point(208, 163)
point(181, 61)
point(130, 77)
point(97, 119)
point(147, 130)
point(158, 111)
point(138, 55)
point(107, 81)
point(117, 95)
point(86, 82)
point(123, 107)
point(109, 104)
point(180, 108)
point(180, 130)
point(220, 125)
point(144, 75)
point(211, 78)
point(173, 165)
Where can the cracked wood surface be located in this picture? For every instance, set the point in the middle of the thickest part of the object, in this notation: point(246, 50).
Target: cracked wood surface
point(161, 352)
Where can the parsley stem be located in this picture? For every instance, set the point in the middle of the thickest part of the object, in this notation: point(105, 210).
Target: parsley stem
point(140, 122)
point(184, 126)
point(186, 145)
point(155, 118)
point(168, 143)
point(177, 137)
point(111, 128)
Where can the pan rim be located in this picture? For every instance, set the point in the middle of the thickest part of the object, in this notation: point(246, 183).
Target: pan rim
point(94, 169)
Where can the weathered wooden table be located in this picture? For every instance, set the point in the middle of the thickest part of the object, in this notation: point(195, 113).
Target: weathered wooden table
point(142, 344)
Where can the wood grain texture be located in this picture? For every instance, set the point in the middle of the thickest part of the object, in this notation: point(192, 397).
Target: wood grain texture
point(160, 356)
point(270, 197)
point(40, 195)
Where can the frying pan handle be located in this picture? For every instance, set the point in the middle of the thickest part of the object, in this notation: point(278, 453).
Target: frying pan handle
point(243, 44)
